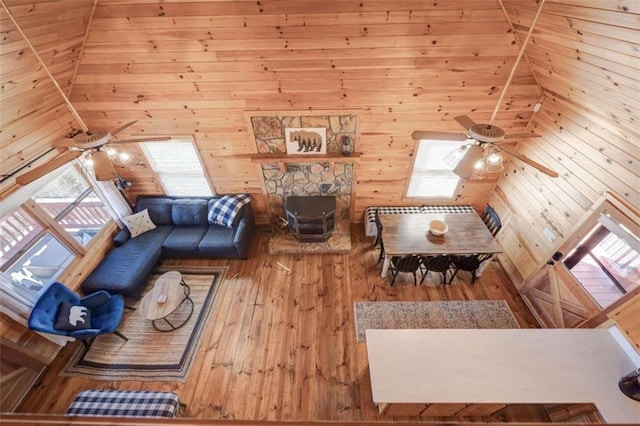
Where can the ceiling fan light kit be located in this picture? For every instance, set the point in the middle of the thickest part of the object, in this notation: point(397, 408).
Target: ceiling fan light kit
point(494, 162)
point(486, 136)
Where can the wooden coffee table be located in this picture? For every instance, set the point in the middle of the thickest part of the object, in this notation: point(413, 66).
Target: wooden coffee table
point(175, 292)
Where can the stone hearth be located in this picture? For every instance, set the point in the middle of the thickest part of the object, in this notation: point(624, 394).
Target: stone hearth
point(283, 241)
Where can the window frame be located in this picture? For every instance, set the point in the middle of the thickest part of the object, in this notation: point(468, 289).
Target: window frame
point(50, 226)
point(438, 198)
point(161, 174)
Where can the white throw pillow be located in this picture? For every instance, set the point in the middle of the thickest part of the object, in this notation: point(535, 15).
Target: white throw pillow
point(139, 223)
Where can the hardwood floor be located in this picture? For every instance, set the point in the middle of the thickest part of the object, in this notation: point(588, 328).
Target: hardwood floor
point(280, 344)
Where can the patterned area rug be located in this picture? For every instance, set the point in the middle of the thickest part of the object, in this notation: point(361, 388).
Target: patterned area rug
point(151, 355)
point(466, 314)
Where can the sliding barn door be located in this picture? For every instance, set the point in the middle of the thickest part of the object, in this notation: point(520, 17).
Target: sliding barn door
point(558, 300)
point(599, 273)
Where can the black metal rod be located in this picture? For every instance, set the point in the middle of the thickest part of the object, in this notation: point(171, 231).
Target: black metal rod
point(19, 169)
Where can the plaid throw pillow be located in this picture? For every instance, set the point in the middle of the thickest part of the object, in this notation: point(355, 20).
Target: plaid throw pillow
point(225, 209)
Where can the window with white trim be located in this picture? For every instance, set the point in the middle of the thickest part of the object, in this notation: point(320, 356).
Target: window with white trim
point(177, 164)
point(431, 176)
point(41, 237)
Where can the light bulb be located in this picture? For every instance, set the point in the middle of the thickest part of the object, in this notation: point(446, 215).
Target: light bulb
point(111, 152)
point(453, 157)
point(124, 157)
point(89, 162)
point(494, 158)
point(479, 165)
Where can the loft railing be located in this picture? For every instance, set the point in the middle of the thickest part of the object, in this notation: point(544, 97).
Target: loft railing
point(619, 261)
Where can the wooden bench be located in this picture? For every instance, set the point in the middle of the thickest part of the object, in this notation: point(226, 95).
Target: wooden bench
point(124, 404)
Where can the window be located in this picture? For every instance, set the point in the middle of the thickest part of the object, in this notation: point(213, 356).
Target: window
point(71, 202)
point(432, 177)
point(607, 261)
point(35, 251)
point(178, 167)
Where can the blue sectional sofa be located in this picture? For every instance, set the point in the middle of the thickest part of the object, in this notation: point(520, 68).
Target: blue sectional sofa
point(182, 230)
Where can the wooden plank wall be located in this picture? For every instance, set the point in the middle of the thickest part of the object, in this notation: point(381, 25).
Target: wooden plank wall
point(33, 112)
point(585, 56)
point(193, 68)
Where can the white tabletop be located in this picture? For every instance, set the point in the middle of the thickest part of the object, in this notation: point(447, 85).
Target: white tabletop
point(501, 366)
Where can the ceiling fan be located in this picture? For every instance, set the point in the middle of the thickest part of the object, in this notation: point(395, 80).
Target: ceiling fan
point(79, 142)
point(485, 135)
point(488, 135)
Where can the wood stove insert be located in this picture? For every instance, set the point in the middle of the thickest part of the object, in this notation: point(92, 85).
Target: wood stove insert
point(311, 218)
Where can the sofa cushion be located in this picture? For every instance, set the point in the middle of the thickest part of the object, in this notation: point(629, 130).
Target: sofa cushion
point(125, 269)
point(159, 209)
point(189, 212)
point(122, 237)
point(184, 238)
point(218, 240)
point(139, 223)
point(225, 209)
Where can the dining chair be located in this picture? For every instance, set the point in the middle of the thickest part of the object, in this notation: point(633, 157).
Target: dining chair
point(441, 263)
point(491, 220)
point(469, 263)
point(378, 241)
point(408, 264)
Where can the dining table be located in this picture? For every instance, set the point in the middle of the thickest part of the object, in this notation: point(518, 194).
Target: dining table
point(408, 234)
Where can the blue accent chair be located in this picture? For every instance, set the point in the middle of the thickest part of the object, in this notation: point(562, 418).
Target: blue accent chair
point(106, 312)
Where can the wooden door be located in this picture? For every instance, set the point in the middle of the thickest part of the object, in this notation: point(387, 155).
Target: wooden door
point(553, 293)
point(558, 299)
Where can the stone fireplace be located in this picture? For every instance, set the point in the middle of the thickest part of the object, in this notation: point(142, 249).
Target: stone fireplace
point(316, 179)
point(322, 175)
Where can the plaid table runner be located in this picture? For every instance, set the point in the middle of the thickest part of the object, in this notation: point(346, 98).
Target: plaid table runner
point(370, 221)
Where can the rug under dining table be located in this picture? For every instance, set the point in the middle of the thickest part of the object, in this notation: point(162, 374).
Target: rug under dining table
point(440, 314)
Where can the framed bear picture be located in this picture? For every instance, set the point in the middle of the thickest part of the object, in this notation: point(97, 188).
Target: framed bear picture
point(306, 140)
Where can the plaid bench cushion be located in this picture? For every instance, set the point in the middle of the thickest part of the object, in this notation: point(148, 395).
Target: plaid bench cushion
point(124, 404)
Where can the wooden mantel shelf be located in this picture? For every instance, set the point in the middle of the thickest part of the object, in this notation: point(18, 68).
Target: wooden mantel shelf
point(311, 158)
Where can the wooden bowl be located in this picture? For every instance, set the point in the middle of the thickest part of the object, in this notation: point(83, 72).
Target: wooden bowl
point(438, 227)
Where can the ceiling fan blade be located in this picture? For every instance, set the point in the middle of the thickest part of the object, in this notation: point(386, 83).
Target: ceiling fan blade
point(521, 136)
point(530, 162)
point(102, 166)
point(163, 139)
point(465, 121)
point(441, 136)
point(123, 127)
point(65, 143)
point(37, 172)
point(467, 164)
